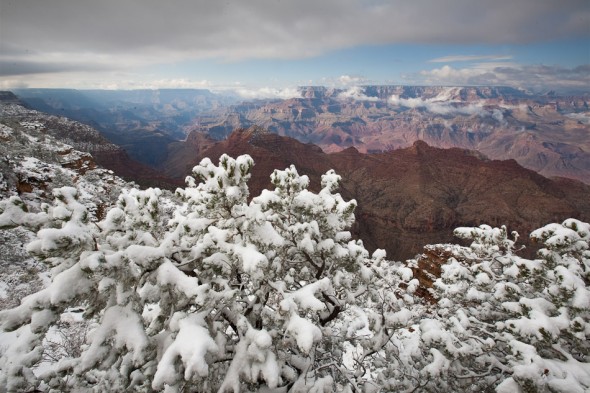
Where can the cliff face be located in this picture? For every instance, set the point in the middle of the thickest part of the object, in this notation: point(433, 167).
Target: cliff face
point(181, 155)
point(417, 195)
point(9, 98)
point(124, 166)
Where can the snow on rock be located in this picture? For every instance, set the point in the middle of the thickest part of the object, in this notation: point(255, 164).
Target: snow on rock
point(5, 131)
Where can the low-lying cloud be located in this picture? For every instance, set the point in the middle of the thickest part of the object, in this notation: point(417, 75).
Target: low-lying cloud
point(583, 118)
point(268, 93)
point(356, 93)
point(438, 107)
point(446, 107)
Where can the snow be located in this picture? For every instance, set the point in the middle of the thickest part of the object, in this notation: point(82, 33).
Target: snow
point(268, 235)
point(252, 260)
point(191, 344)
point(475, 294)
point(581, 298)
point(439, 364)
point(305, 298)
point(253, 360)
point(120, 328)
point(509, 385)
point(41, 319)
point(3, 290)
point(405, 273)
point(168, 274)
point(5, 131)
point(31, 125)
point(482, 279)
point(145, 256)
point(432, 330)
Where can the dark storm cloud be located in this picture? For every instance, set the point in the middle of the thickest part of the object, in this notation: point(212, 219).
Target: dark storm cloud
point(144, 31)
point(20, 67)
point(15, 60)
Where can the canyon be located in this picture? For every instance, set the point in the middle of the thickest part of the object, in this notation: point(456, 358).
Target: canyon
point(419, 161)
point(547, 133)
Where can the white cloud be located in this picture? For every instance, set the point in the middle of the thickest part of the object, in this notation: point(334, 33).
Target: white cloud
point(356, 93)
point(7, 84)
point(349, 80)
point(453, 76)
point(178, 84)
point(443, 106)
point(268, 93)
point(156, 84)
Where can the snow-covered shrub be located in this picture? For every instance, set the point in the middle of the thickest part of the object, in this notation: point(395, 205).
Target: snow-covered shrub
point(219, 295)
point(209, 292)
point(507, 323)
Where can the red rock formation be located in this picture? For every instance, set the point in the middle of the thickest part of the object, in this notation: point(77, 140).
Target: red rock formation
point(415, 196)
point(181, 154)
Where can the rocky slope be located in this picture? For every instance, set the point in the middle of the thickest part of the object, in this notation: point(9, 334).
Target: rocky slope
point(82, 138)
point(548, 134)
point(417, 195)
point(33, 162)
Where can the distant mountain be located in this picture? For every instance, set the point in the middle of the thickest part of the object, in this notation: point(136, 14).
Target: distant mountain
point(545, 133)
point(415, 195)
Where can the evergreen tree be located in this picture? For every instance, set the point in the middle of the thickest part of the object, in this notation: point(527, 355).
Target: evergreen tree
point(208, 293)
point(506, 323)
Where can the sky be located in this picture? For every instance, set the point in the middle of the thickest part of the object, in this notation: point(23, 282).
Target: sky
point(269, 47)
